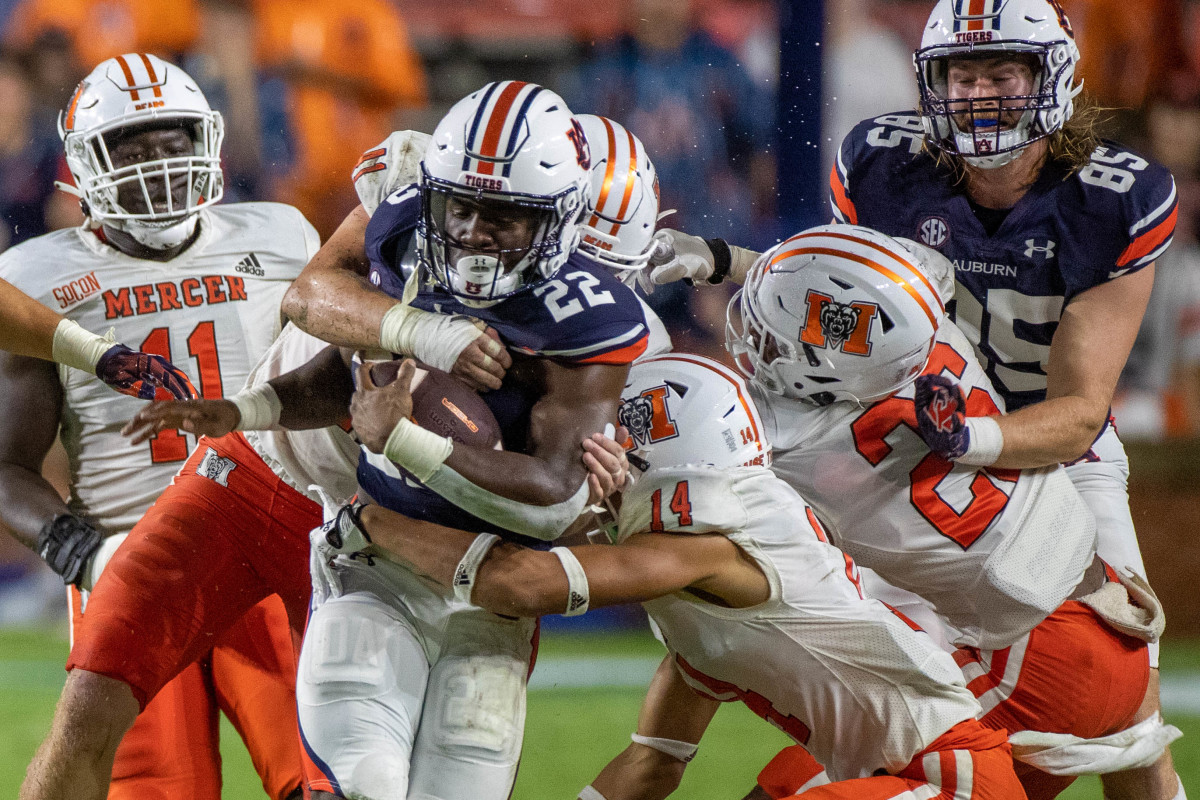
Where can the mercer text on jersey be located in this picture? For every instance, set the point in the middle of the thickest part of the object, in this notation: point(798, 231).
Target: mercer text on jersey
point(147, 298)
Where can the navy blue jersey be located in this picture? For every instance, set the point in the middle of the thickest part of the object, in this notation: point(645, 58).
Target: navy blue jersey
point(582, 316)
point(1069, 232)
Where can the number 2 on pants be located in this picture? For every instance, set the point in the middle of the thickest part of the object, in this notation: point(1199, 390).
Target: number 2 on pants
point(987, 500)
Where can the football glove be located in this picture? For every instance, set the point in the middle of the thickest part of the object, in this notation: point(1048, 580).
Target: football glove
point(942, 416)
point(143, 375)
point(680, 256)
point(67, 543)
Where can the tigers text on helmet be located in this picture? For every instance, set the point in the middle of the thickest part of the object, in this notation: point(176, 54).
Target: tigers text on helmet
point(503, 184)
point(976, 128)
point(153, 200)
point(623, 200)
point(837, 312)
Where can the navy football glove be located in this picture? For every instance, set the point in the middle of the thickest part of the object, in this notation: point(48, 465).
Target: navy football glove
point(143, 375)
point(942, 416)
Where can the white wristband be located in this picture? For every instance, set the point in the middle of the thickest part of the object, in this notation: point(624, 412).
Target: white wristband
point(578, 596)
point(683, 751)
point(419, 451)
point(985, 443)
point(78, 347)
point(259, 407)
point(464, 573)
point(589, 793)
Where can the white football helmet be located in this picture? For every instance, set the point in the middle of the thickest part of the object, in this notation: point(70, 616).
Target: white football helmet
point(960, 29)
point(513, 148)
point(133, 91)
point(685, 409)
point(623, 201)
point(837, 312)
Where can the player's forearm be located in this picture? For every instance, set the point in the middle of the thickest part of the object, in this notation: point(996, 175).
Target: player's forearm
point(431, 549)
point(639, 773)
point(27, 502)
point(316, 394)
point(339, 306)
point(1050, 432)
point(28, 328)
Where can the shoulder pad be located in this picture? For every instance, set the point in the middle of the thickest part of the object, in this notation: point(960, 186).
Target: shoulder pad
point(1135, 193)
point(392, 227)
point(687, 499)
point(392, 164)
point(898, 135)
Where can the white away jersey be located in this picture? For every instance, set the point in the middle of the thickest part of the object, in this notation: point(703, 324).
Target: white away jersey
point(325, 457)
point(993, 550)
point(840, 674)
point(213, 311)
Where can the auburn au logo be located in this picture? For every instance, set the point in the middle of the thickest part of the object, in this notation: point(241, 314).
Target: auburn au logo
point(583, 153)
point(838, 325)
point(647, 418)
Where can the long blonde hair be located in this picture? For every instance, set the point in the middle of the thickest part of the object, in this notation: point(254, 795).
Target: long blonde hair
point(1071, 146)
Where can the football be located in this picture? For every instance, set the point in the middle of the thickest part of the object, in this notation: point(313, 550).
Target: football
point(445, 405)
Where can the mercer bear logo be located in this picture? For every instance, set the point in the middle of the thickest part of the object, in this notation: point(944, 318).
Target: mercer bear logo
point(148, 298)
point(648, 418)
point(844, 326)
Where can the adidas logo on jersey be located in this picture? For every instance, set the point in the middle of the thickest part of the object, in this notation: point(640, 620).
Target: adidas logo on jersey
point(577, 602)
point(251, 266)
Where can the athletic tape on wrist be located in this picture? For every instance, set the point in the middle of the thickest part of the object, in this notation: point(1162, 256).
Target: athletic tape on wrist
point(683, 751)
point(589, 793)
point(78, 347)
point(419, 451)
point(985, 444)
point(468, 565)
point(259, 407)
point(578, 596)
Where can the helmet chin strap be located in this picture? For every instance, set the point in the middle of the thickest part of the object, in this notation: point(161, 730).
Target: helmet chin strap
point(156, 235)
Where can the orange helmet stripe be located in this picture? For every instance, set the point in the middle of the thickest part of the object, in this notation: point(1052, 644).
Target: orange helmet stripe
point(628, 181)
point(130, 83)
point(881, 249)
point(69, 124)
point(150, 71)
point(882, 270)
point(726, 374)
point(609, 170)
point(495, 126)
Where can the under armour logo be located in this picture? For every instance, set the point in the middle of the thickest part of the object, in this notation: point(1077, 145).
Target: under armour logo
point(215, 468)
point(1047, 251)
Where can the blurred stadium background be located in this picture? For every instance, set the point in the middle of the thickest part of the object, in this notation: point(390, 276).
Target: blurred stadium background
point(741, 104)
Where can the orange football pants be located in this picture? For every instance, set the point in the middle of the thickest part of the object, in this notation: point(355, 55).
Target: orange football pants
point(967, 762)
point(193, 583)
point(1071, 674)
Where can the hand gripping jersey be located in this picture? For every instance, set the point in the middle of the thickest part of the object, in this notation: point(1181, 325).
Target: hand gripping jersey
point(213, 310)
point(842, 675)
point(582, 316)
point(1066, 235)
point(324, 457)
point(993, 550)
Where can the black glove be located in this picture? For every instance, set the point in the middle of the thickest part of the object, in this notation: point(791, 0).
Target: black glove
point(67, 543)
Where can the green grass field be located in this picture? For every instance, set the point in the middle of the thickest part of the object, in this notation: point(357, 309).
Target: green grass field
point(571, 732)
